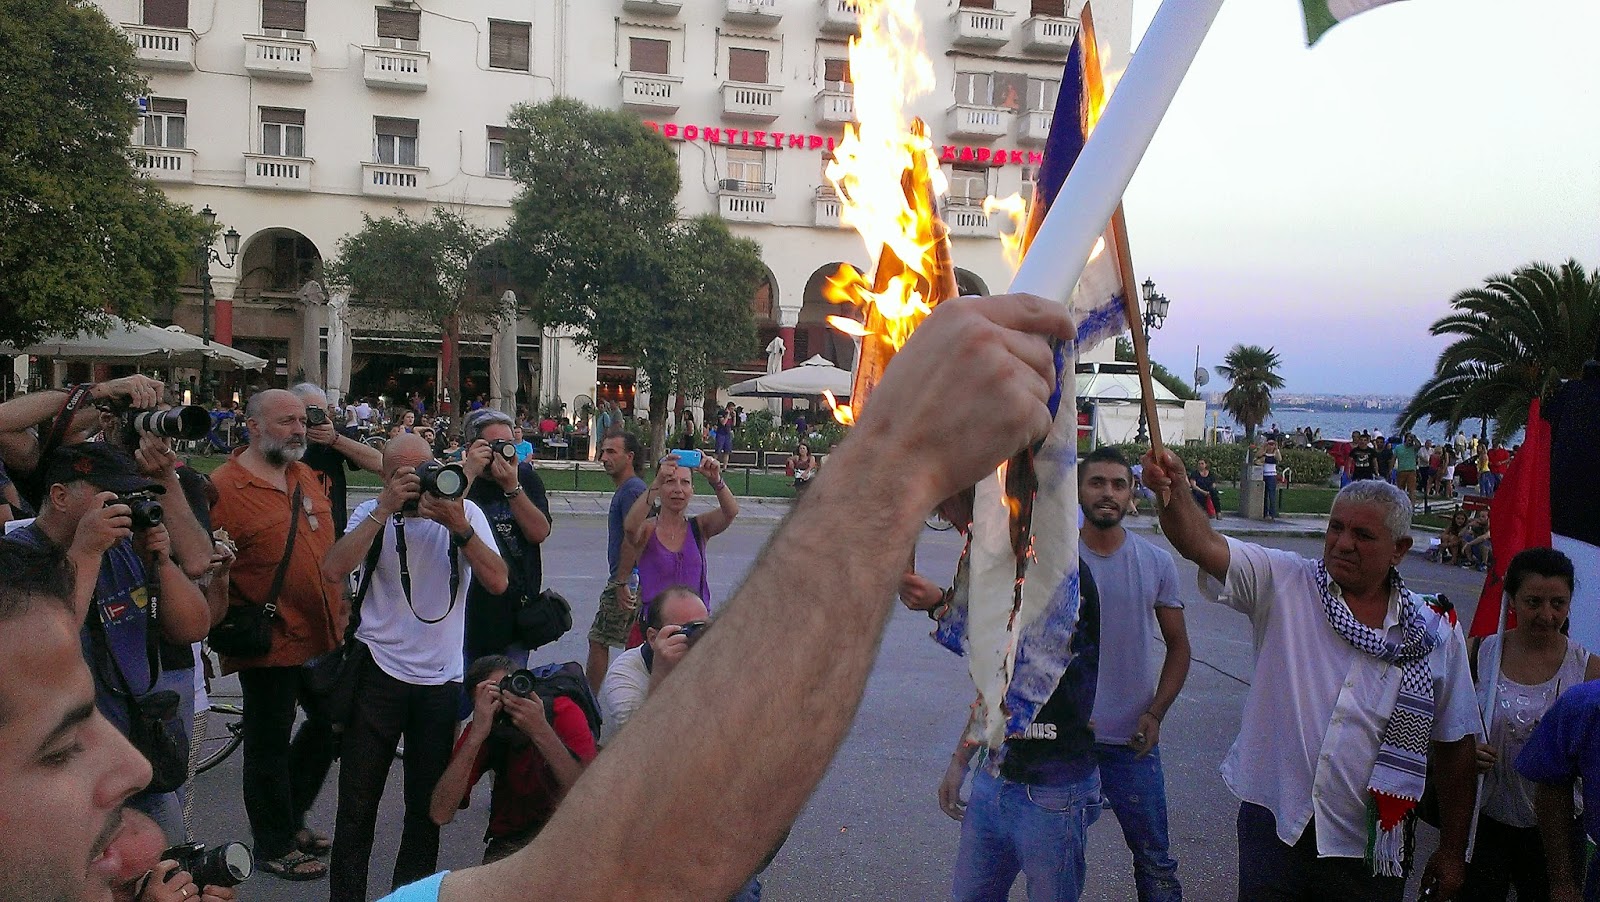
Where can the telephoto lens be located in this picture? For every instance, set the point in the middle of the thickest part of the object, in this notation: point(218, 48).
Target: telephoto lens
point(189, 423)
point(442, 480)
point(505, 449)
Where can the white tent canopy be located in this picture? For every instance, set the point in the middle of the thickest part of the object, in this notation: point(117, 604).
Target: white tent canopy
point(129, 342)
point(809, 379)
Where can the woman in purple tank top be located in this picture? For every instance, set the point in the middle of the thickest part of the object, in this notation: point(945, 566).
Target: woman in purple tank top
point(669, 548)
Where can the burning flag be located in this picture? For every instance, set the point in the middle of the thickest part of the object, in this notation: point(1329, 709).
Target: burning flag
point(1322, 15)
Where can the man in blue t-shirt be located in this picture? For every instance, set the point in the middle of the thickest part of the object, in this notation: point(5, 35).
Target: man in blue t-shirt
point(1565, 747)
point(620, 455)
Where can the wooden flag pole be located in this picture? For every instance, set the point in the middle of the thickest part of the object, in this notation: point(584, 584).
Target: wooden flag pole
point(1130, 305)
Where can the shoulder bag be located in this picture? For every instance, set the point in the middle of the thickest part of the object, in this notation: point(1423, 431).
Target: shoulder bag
point(246, 630)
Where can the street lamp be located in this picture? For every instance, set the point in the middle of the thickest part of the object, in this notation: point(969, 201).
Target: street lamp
point(206, 256)
point(1155, 313)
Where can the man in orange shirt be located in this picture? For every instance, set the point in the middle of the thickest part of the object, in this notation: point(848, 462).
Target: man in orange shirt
point(261, 491)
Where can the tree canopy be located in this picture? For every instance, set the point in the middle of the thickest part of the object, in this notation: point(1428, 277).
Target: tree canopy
point(81, 232)
point(1161, 374)
point(1253, 371)
point(1516, 338)
point(597, 241)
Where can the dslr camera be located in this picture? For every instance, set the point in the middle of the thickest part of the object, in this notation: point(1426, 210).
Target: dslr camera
point(188, 423)
point(519, 683)
point(440, 480)
point(505, 449)
point(316, 416)
point(229, 864)
point(147, 511)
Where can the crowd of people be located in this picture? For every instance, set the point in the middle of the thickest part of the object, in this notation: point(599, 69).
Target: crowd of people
point(414, 619)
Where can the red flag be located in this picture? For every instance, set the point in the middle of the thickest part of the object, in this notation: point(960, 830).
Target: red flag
point(1519, 517)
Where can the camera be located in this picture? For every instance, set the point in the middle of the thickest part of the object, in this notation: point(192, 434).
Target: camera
point(188, 423)
point(502, 448)
point(442, 480)
point(693, 630)
point(147, 511)
point(687, 458)
point(316, 416)
point(519, 683)
point(229, 864)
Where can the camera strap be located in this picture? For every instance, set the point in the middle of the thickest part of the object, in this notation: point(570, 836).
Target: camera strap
point(269, 608)
point(405, 572)
point(102, 646)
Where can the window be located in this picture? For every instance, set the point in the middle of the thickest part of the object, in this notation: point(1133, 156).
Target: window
point(497, 151)
point(1042, 93)
point(1030, 182)
point(836, 74)
point(396, 141)
point(748, 168)
point(748, 66)
point(969, 184)
point(508, 45)
point(399, 28)
point(1057, 8)
point(164, 124)
point(1009, 89)
point(283, 18)
point(978, 4)
point(649, 55)
point(283, 132)
point(974, 87)
point(166, 13)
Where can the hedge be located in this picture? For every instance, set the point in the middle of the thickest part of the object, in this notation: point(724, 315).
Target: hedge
point(1307, 466)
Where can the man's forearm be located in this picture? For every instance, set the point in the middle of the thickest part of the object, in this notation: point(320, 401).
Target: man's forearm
point(455, 781)
point(1556, 814)
point(1174, 672)
point(185, 617)
point(1455, 768)
point(488, 567)
point(28, 410)
point(349, 552)
point(361, 454)
point(191, 545)
point(534, 524)
point(682, 747)
point(563, 764)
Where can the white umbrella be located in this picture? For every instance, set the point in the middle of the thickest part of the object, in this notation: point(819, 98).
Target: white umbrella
point(807, 380)
point(129, 342)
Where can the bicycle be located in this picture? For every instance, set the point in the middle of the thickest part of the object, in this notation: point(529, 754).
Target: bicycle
point(224, 731)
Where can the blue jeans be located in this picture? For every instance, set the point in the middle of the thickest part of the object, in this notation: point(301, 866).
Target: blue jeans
point(1270, 503)
point(1137, 793)
point(1038, 831)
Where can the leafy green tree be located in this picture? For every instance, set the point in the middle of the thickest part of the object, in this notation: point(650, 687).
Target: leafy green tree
point(431, 271)
point(597, 242)
point(1253, 371)
point(1161, 374)
point(1517, 337)
point(82, 234)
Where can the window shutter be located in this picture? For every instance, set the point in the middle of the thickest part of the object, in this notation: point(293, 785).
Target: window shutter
point(399, 128)
point(978, 4)
point(166, 13)
point(748, 66)
point(496, 132)
point(1057, 8)
point(169, 105)
point(282, 116)
point(836, 70)
point(286, 14)
point(400, 24)
point(648, 55)
point(508, 45)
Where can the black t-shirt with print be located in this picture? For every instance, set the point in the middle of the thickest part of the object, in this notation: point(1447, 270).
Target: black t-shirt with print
point(1060, 745)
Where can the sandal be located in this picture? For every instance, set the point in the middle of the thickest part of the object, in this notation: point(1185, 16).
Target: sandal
point(312, 843)
point(294, 866)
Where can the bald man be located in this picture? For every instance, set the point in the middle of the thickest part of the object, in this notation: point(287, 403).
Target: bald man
point(410, 632)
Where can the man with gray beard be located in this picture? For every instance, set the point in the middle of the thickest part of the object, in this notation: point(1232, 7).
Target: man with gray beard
point(278, 514)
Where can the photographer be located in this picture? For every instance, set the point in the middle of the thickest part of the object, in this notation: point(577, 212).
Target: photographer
point(145, 876)
point(639, 670)
point(330, 452)
point(72, 415)
point(102, 513)
point(426, 548)
point(512, 497)
point(535, 758)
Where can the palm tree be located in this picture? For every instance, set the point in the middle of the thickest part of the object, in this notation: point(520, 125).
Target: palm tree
point(1520, 335)
point(1253, 371)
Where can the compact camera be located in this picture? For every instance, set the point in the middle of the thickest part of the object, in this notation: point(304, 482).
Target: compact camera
point(693, 630)
point(147, 511)
point(688, 458)
point(316, 416)
point(229, 864)
point(502, 448)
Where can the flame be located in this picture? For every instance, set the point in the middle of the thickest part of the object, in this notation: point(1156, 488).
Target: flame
point(1014, 209)
point(841, 412)
point(848, 326)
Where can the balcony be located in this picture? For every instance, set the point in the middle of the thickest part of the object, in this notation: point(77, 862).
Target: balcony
point(838, 17)
point(396, 70)
point(645, 92)
point(393, 180)
point(967, 120)
point(753, 12)
point(1033, 126)
point(745, 201)
point(826, 213)
point(277, 173)
point(984, 28)
point(167, 164)
point(968, 222)
point(162, 48)
point(757, 103)
point(653, 7)
point(288, 59)
point(1049, 34)
point(836, 107)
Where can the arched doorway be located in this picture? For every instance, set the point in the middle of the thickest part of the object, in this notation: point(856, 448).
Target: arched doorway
point(812, 334)
point(968, 283)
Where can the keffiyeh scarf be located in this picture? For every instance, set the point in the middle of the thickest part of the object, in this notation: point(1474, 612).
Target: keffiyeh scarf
point(1400, 774)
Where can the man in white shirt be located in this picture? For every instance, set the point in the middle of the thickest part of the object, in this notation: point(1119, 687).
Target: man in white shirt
point(1359, 687)
point(638, 670)
point(411, 624)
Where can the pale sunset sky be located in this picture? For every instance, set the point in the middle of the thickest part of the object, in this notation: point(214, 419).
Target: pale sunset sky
point(1329, 201)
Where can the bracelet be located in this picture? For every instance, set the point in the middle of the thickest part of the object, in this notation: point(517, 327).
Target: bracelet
point(1153, 714)
point(371, 516)
point(718, 486)
point(513, 493)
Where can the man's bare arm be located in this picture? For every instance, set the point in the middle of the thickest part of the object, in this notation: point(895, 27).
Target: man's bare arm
point(1182, 521)
point(1556, 814)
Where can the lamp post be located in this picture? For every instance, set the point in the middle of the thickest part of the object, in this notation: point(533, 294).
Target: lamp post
point(206, 256)
point(1155, 313)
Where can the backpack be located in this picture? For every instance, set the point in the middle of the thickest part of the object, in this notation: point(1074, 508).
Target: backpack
point(553, 681)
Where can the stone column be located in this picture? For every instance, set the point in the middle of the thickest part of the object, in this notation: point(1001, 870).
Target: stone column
point(338, 386)
point(503, 357)
point(312, 300)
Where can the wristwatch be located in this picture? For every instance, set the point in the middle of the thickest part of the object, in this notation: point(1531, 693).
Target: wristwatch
point(513, 493)
point(462, 539)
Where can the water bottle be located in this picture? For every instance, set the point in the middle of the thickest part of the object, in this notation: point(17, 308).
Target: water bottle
point(633, 585)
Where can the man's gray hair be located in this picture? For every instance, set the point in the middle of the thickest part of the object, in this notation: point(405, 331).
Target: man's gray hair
point(309, 393)
point(482, 419)
point(1397, 516)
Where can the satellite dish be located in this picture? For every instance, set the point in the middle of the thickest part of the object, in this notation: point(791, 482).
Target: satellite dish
point(1201, 377)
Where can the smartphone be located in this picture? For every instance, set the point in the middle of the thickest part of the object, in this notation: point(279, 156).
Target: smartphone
point(690, 459)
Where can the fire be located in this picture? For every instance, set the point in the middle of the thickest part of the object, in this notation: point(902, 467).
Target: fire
point(1013, 227)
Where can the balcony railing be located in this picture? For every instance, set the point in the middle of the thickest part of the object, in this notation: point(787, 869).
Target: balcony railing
point(167, 164)
point(1049, 34)
point(982, 27)
point(394, 180)
point(967, 120)
point(753, 12)
point(740, 201)
point(283, 58)
point(397, 70)
point(746, 101)
point(1033, 126)
point(277, 173)
point(646, 92)
point(967, 222)
point(826, 212)
point(836, 107)
point(653, 7)
point(162, 48)
point(839, 16)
